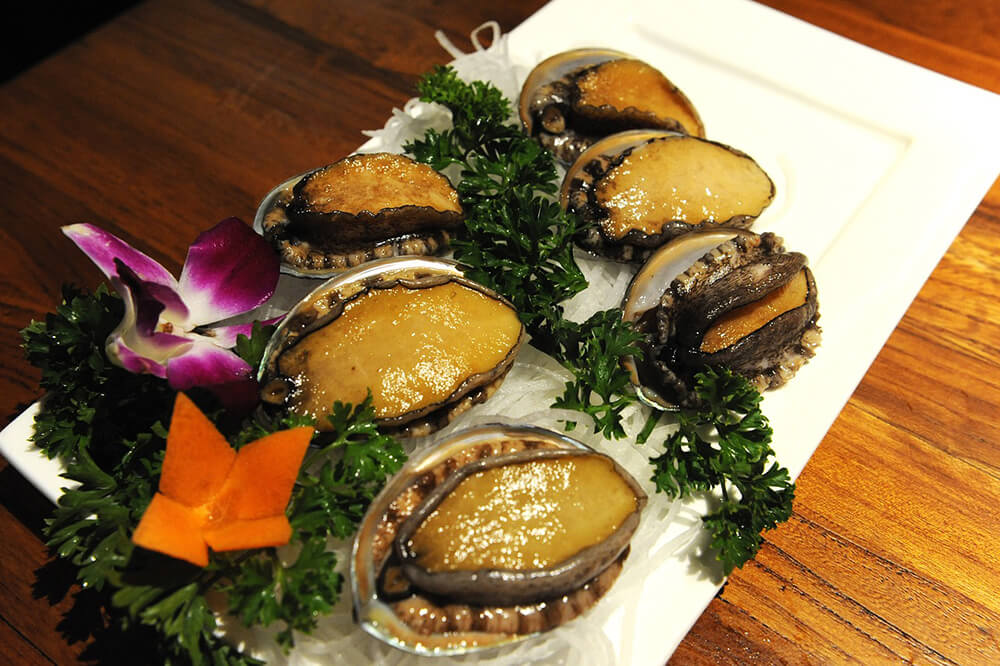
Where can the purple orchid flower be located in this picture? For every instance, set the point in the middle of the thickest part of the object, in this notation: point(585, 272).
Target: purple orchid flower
point(229, 270)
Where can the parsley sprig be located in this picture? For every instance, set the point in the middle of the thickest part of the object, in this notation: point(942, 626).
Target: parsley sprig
point(109, 425)
point(592, 351)
point(81, 385)
point(726, 445)
point(518, 239)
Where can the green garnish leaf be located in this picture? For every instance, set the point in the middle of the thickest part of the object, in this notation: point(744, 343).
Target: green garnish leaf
point(82, 387)
point(593, 352)
point(331, 500)
point(262, 590)
point(472, 105)
point(251, 349)
point(726, 445)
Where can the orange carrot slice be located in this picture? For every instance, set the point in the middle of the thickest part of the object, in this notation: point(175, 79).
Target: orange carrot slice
point(243, 534)
point(198, 457)
point(173, 529)
point(263, 475)
point(213, 496)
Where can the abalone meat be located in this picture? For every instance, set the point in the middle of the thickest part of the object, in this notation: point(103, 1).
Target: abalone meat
point(498, 533)
point(425, 341)
point(572, 99)
point(360, 208)
point(746, 304)
point(640, 189)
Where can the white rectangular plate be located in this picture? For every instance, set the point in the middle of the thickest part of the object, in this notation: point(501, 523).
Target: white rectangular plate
point(878, 164)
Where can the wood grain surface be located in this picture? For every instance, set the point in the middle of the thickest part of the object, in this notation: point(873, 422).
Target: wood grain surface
point(180, 113)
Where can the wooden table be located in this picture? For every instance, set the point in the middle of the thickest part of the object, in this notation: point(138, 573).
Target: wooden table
point(180, 113)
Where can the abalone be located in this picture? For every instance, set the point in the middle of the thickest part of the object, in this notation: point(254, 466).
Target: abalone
point(425, 341)
point(640, 189)
point(726, 297)
point(497, 533)
point(572, 99)
point(363, 207)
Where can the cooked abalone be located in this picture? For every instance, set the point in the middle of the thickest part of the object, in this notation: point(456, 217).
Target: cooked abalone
point(498, 533)
point(574, 98)
point(642, 188)
point(424, 340)
point(361, 208)
point(514, 529)
point(747, 304)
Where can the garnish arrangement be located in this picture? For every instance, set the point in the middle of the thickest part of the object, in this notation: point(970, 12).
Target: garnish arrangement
point(111, 426)
point(153, 413)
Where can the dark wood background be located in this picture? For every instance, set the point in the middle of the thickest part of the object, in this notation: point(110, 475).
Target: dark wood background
point(176, 114)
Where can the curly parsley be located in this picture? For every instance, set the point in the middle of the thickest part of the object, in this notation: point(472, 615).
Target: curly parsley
point(726, 445)
point(592, 351)
point(517, 239)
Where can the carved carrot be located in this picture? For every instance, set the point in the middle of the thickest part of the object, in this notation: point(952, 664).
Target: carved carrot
point(213, 496)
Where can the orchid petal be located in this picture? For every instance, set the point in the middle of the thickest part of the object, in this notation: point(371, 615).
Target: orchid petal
point(104, 249)
point(138, 348)
point(136, 351)
point(205, 364)
point(133, 362)
point(229, 270)
point(152, 302)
